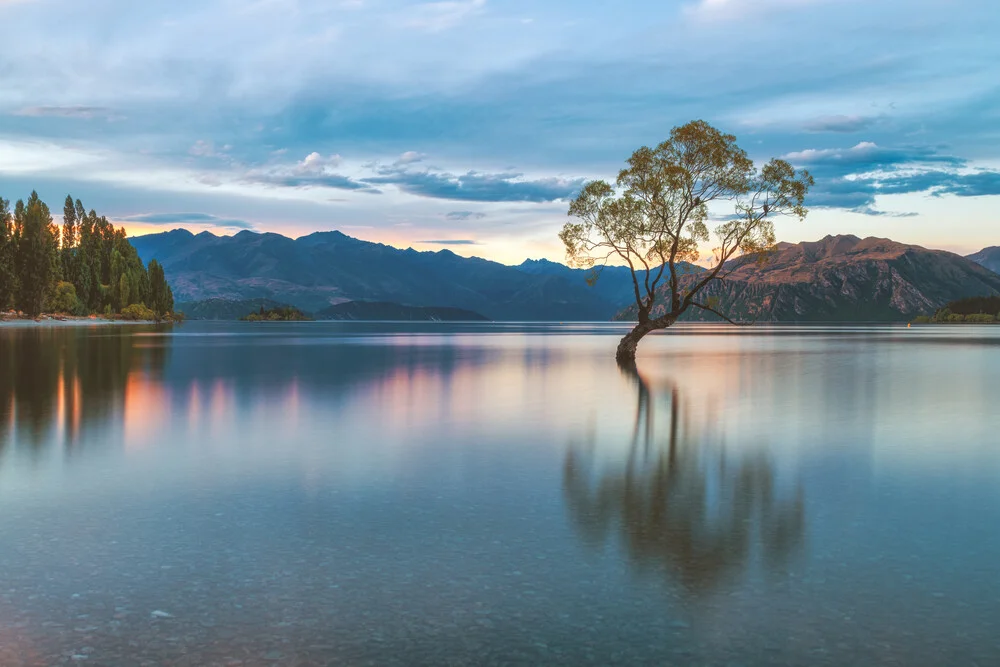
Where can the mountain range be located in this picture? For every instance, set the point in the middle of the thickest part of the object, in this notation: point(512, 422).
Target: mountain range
point(324, 269)
point(843, 278)
point(839, 278)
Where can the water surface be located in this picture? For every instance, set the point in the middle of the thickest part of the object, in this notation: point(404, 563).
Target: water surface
point(322, 493)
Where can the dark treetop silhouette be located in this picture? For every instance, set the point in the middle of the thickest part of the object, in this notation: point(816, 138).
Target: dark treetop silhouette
point(656, 218)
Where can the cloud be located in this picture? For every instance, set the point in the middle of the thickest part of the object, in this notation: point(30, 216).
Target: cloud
point(440, 16)
point(734, 9)
point(867, 154)
point(334, 181)
point(316, 163)
point(409, 157)
point(477, 186)
point(203, 148)
point(82, 112)
point(188, 218)
point(465, 215)
point(450, 242)
point(839, 124)
point(314, 170)
point(852, 178)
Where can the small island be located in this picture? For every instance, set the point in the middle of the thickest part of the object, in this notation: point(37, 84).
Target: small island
point(278, 314)
point(974, 310)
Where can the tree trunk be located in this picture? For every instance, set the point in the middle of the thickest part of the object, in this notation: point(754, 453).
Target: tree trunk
point(625, 356)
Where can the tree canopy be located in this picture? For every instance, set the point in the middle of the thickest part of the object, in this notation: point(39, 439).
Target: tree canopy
point(656, 216)
point(85, 267)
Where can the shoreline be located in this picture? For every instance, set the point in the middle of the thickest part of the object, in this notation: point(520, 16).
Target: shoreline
point(13, 320)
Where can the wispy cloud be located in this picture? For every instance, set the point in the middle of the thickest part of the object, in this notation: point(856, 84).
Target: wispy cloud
point(839, 124)
point(81, 112)
point(409, 157)
point(465, 215)
point(852, 178)
point(315, 170)
point(447, 242)
point(720, 10)
point(189, 219)
point(439, 16)
point(477, 186)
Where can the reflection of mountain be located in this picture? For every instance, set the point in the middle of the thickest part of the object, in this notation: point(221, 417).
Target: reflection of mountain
point(56, 381)
point(677, 501)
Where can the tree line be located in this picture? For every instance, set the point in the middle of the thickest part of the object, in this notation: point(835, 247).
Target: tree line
point(85, 266)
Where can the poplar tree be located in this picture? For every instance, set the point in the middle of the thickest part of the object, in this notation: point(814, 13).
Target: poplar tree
point(35, 250)
point(7, 250)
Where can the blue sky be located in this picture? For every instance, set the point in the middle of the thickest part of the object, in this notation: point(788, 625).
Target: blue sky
point(468, 123)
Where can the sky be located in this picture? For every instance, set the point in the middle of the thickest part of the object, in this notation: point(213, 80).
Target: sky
point(469, 124)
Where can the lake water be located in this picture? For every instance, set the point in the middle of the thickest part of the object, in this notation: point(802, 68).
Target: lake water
point(319, 493)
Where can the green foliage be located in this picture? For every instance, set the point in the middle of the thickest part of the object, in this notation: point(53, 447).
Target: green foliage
point(973, 310)
point(161, 297)
point(280, 314)
point(35, 251)
point(40, 262)
point(137, 311)
point(975, 305)
point(8, 249)
point(656, 214)
point(63, 300)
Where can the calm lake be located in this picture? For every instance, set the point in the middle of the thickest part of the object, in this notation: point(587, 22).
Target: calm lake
point(390, 494)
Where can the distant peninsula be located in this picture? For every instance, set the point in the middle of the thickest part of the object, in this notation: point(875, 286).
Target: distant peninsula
point(975, 310)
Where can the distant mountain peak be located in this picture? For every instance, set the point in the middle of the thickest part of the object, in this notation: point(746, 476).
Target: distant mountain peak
point(988, 258)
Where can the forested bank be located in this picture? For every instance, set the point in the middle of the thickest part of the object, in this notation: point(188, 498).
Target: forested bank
point(85, 266)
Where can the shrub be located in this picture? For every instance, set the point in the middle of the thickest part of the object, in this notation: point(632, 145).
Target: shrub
point(980, 318)
point(137, 311)
point(922, 319)
point(63, 300)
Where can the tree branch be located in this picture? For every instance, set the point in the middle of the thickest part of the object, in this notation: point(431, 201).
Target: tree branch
point(715, 312)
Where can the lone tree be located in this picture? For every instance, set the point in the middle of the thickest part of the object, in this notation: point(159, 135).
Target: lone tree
point(655, 219)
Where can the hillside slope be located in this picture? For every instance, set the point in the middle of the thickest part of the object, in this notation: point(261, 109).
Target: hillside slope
point(988, 258)
point(845, 279)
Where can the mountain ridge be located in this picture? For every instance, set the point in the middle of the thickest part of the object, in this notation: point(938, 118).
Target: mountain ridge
point(843, 278)
point(326, 268)
point(988, 258)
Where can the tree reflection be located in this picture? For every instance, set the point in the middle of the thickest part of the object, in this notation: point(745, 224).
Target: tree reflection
point(678, 503)
point(55, 381)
